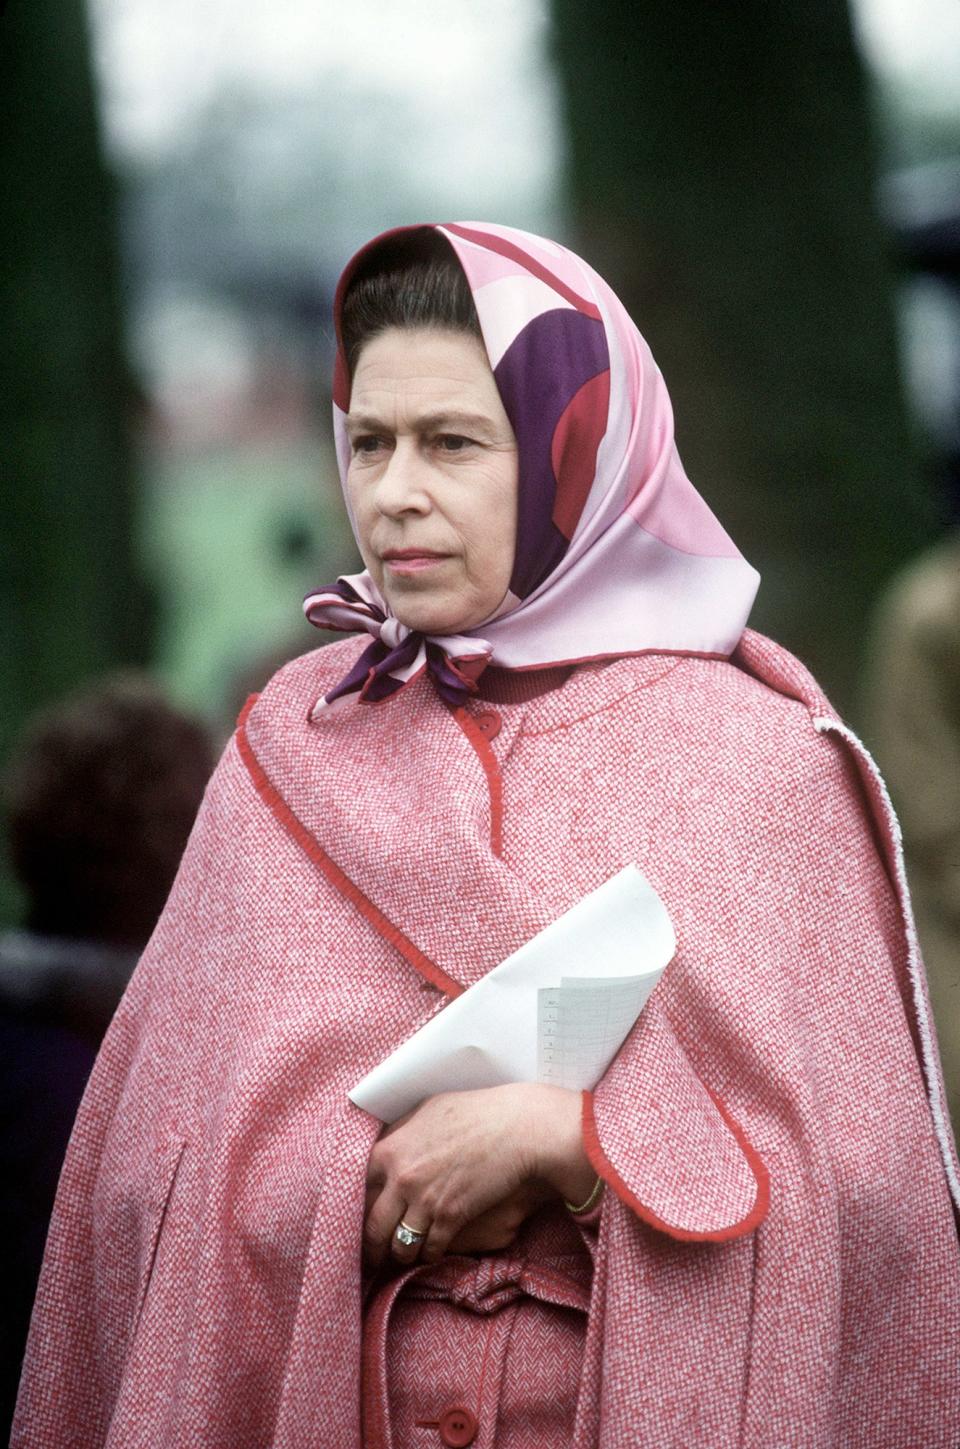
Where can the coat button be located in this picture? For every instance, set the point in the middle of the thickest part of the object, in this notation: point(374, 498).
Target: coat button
point(488, 722)
point(458, 1427)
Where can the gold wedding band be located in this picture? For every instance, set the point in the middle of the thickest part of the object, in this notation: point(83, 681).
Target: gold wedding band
point(590, 1202)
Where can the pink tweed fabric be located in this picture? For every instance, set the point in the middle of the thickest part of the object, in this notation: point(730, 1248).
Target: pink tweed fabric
point(776, 1263)
point(497, 1340)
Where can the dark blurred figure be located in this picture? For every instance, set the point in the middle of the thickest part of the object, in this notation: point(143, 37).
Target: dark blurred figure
point(914, 717)
point(913, 676)
point(100, 799)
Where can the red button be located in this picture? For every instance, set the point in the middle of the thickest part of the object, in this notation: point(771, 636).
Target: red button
point(458, 1427)
point(488, 722)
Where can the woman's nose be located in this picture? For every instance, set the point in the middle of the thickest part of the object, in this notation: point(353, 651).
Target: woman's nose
point(401, 486)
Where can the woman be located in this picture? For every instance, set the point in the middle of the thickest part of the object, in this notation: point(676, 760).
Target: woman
point(558, 684)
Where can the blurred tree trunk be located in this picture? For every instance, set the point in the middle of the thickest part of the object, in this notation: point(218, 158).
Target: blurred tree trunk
point(721, 169)
point(71, 600)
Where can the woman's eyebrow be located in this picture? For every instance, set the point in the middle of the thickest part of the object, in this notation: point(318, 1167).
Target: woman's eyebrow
point(446, 418)
point(365, 422)
point(443, 419)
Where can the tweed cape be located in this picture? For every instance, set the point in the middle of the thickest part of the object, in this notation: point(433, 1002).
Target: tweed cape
point(776, 1262)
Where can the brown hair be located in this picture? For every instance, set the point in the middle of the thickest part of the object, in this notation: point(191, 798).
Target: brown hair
point(410, 280)
point(101, 797)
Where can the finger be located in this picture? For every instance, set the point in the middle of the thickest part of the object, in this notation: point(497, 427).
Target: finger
point(498, 1226)
point(376, 1173)
point(440, 1235)
point(404, 1251)
point(382, 1217)
point(486, 1234)
point(492, 1230)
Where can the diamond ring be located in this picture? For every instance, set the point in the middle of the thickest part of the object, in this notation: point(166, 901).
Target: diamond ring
point(408, 1236)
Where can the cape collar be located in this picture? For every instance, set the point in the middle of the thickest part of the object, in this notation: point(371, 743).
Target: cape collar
point(394, 805)
point(397, 806)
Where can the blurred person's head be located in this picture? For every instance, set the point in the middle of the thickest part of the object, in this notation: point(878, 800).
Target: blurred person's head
point(101, 796)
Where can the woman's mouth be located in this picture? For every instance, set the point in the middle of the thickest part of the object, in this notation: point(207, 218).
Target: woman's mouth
point(403, 562)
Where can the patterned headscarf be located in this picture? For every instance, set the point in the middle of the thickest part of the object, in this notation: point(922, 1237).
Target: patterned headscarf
point(616, 551)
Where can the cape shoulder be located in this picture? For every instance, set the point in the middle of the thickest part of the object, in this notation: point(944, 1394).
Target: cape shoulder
point(759, 677)
point(312, 674)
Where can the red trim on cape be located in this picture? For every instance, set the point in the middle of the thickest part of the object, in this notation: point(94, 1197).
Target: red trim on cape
point(309, 844)
point(605, 1169)
point(491, 769)
point(244, 714)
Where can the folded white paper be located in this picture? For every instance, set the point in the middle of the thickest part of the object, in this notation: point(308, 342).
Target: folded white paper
point(557, 1010)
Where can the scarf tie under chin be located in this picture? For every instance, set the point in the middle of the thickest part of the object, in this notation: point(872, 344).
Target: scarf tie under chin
point(396, 654)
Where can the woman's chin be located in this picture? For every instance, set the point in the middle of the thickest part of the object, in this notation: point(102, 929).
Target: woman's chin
point(427, 623)
point(433, 616)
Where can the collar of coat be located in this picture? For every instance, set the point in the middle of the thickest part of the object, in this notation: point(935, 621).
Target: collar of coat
point(357, 789)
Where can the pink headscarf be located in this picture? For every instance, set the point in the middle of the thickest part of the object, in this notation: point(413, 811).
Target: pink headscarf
point(616, 552)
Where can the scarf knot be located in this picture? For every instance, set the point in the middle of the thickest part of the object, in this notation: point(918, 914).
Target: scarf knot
point(396, 654)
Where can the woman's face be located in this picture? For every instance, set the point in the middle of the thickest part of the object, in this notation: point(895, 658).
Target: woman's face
point(432, 479)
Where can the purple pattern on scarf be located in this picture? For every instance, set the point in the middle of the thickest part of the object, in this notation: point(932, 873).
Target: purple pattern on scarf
point(349, 595)
point(367, 675)
point(372, 674)
point(452, 686)
point(541, 371)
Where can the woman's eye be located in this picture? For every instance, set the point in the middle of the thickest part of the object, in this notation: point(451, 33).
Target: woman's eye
point(367, 443)
point(453, 443)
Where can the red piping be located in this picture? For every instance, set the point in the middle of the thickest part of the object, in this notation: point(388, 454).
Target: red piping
point(244, 714)
point(605, 1169)
point(491, 769)
point(308, 843)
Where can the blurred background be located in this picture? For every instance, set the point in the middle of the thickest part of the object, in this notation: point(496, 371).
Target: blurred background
point(774, 191)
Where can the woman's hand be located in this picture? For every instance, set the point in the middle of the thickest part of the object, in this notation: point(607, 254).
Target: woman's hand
point(460, 1156)
point(496, 1229)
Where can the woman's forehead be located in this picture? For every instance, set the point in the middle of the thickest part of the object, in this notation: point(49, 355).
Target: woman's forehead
point(429, 370)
